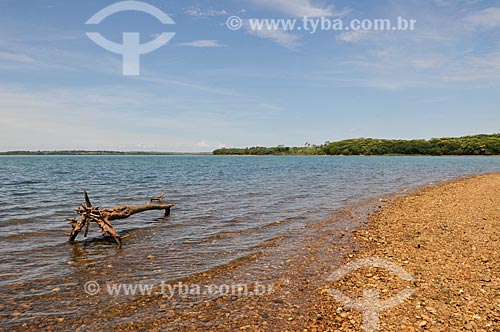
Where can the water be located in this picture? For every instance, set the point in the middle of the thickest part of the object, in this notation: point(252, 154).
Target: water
point(227, 208)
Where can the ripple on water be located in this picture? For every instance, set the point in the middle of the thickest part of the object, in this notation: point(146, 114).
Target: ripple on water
point(227, 208)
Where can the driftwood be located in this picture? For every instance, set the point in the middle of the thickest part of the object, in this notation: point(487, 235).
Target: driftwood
point(103, 217)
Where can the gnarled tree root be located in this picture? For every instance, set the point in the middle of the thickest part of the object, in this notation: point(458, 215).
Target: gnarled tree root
point(103, 217)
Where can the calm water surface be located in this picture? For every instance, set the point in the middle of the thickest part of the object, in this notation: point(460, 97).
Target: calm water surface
point(227, 207)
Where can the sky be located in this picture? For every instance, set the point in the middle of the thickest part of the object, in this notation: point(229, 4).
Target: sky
point(212, 87)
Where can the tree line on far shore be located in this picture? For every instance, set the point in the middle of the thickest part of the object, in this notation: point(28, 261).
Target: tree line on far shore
point(92, 153)
point(467, 145)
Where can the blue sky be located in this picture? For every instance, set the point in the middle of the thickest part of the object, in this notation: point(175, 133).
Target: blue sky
point(211, 86)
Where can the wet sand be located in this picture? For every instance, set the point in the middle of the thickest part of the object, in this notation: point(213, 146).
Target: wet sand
point(446, 237)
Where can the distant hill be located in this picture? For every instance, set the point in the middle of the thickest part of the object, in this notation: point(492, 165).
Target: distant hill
point(447, 146)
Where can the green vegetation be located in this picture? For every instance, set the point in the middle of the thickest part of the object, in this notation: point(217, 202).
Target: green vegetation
point(276, 151)
point(467, 145)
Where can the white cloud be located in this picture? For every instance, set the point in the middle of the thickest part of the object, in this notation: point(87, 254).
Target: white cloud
point(203, 144)
point(352, 36)
point(477, 67)
point(198, 12)
point(202, 43)
point(426, 63)
point(382, 83)
point(280, 37)
point(460, 3)
point(188, 84)
point(298, 8)
point(387, 68)
point(341, 13)
point(16, 57)
point(465, 77)
point(41, 56)
point(488, 18)
point(487, 61)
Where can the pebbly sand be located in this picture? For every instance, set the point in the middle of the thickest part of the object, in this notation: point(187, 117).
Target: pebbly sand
point(446, 237)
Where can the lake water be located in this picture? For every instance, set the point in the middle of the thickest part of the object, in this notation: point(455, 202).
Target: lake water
point(227, 207)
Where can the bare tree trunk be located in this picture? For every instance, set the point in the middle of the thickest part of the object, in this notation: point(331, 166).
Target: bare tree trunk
point(103, 217)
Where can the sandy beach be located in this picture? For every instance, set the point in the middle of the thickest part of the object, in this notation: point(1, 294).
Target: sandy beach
point(448, 238)
point(445, 237)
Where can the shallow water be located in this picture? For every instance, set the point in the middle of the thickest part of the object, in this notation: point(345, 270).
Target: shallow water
point(227, 207)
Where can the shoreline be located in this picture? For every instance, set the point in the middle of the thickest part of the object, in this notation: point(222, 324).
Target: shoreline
point(299, 300)
point(205, 154)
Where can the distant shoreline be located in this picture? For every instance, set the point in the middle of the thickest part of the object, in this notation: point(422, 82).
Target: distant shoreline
point(99, 153)
point(143, 153)
point(477, 145)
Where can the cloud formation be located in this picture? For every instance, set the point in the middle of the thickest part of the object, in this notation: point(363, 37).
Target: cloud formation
point(280, 37)
point(297, 8)
point(488, 18)
point(202, 43)
point(198, 12)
